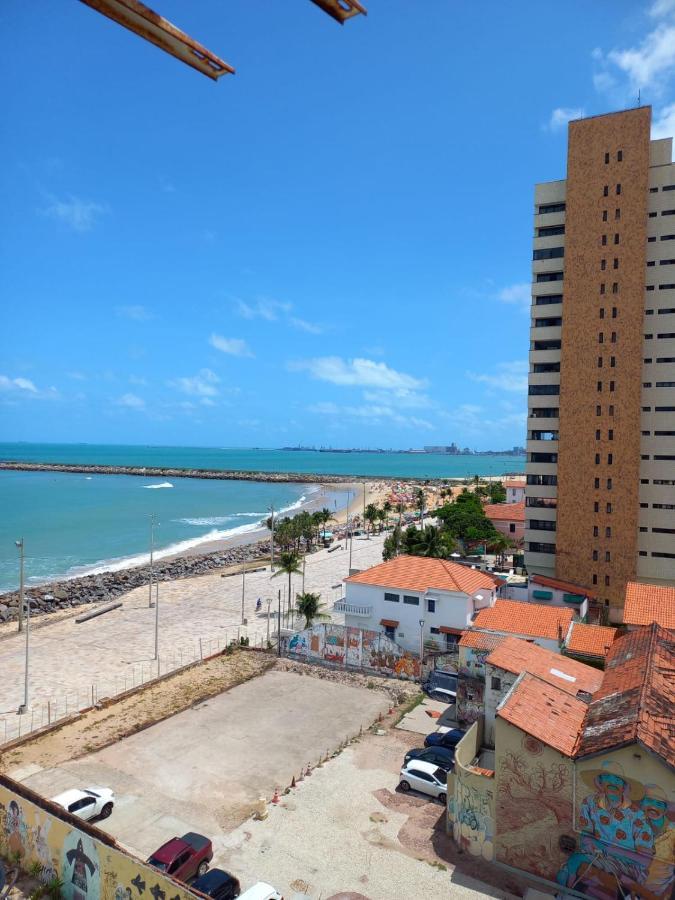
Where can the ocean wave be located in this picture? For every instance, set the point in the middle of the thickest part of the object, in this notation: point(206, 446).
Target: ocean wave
point(151, 487)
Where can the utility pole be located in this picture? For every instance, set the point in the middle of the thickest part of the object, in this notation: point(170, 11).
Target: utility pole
point(24, 707)
point(364, 506)
point(156, 619)
point(243, 592)
point(272, 539)
point(19, 544)
point(152, 551)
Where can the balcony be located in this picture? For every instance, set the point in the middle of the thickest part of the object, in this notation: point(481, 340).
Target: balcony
point(349, 609)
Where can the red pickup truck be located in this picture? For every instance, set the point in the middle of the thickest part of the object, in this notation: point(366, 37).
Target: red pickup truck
point(183, 858)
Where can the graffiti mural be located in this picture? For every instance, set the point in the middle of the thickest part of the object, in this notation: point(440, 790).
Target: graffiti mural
point(472, 661)
point(473, 816)
point(347, 646)
point(627, 836)
point(88, 868)
point(470, 702)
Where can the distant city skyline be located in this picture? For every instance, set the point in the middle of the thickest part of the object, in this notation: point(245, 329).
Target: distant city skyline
point(299, 254)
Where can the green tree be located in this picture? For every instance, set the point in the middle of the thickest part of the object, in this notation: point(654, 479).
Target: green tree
point(370, 514)
point(499, 545)
point(497, 492)
point(419, 503)
point(309, 606)
point(325, 516)
point(465, 520)
point(288, 564)
point(386, 509)
point(392, 543)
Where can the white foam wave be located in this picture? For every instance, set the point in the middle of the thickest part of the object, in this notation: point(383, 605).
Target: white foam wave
point(155, 487)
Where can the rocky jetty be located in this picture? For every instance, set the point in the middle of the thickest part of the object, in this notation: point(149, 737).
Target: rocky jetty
point(107, 586)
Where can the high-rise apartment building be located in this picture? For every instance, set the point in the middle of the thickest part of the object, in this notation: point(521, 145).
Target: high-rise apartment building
point(600, 495)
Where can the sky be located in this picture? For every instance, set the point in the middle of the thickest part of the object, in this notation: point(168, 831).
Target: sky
point(331, 247)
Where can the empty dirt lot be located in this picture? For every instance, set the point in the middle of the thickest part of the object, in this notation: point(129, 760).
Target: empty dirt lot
point(203, 769)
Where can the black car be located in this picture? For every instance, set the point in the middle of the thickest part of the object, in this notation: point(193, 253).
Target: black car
point(441, 686)
point(443, 757)
point(218, 884)
point(448, 739)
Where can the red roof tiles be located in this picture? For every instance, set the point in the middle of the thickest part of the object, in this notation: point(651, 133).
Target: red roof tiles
point(647, 603)
point(481, 640)
point(637, 697)
point(590, 640)
point(516, 655)
point(546, 712)
point(505, 512)
point(566, 586)
point(513, 483)
point(530, 619)
point(420, 573)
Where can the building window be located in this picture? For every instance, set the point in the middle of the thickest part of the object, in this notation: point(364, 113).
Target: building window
point(410, 600)
point(595, 556)
point(597, 434)
point(390, 632)
point(608, 557)
point(596, 531)
point(619, 156)
point(495, 683)
point(595, 578)
point(608, 508)
point(605, 191)
point(602, 288)
point(609, 459)
point(551, 208)
point(391, 598)
point(609, 484)
point(606, 580)
point(602, 312)
point(617, 213)
point(604, 215)
point(611, 409)
point(603, 265)
point(596, 507)
point(596, 484)
point(606, 158)
point(549, 253)
point(618, 188)
point(601, 337)
point(597, 459)
point(604, 240)
point(599, 388)
point(613, 337)
point(616, 238)
point(610, 434)
point(616, 263)
point(512, 527)
point(614, 312)
point(598, 410)
point(431, 605)
point(611, 385)
point(608, 532)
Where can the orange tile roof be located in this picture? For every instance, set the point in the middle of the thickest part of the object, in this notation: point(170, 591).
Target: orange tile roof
point(531, 619)
point(481, 640)
point(590, 640)
point(546, 712)
point(505, 512)
point(636, 699)
point(566, 586)
point(421, 573)
point(647, 603)
point(516, 655)
point(512, 483)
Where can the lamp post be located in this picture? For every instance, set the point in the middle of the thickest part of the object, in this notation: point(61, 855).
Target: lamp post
point(20, 544)
point(421, 647)
point(269, 603)
point(152, 552)
point(156, 619)
point(271, 508)
point(243, 593)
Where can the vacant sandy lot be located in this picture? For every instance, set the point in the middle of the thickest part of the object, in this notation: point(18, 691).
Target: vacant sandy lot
point(203, 769)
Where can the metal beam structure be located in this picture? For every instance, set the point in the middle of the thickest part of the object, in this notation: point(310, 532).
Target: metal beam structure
point(341, 10)
point(149, 25)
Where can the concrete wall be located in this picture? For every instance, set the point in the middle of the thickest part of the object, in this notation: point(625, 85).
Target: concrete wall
point(515, 495)
point(504, 527)
point(471, 811)
point(493, 697)
point(534, 802)
point(88, 862)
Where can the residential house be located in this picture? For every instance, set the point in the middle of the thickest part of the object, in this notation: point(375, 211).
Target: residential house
point(544, 625)
point(589, 643)
point(508, 518)
point(417, 600)
point(515, 490)
point(647, 603)
point(474, 648)
point(513, 656)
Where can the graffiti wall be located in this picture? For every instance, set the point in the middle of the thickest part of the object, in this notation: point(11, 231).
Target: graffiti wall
point(624, 827)
point(89, 867)
point(470, 693)
point(471, 810)
point(472, 661)
point(534, 810)
point(346, 646)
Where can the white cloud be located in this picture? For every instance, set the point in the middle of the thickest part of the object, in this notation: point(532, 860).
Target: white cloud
point(231, 346)
point(357, 373)
point(304, 325)
point(270, 310)
point(517, 295)
point(662, 8)
point(77, 376)
point(17, 384)
point(401, 398)
point(649, 65)
point(80, 215)
point(510, 376)
point(130, 401)
point(372, 414)
point(561, 115)
point(203, 384)
point(137, 380)
point(135, 312)
point(663, 124)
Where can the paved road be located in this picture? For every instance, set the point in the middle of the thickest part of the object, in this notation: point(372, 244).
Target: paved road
point(118, 648)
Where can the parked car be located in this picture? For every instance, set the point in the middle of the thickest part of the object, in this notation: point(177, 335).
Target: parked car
point(441, 686)
point(425, 777)
point(261, 891)
point(448, 739)
point(183, 858)
point(90, 803)
point(443, 757)
point(218, 884)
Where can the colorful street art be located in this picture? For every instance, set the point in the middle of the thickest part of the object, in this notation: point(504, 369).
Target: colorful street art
point(88, 868)
point(627, 841)
point(344, 645)
point(470, 699)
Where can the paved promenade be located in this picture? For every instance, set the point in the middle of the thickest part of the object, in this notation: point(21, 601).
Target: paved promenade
point(116, 650)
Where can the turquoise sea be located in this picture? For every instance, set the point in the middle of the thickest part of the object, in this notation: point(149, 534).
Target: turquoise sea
point(74, 523)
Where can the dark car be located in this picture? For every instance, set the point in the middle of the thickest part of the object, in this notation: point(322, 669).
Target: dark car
point(217, 884)
point(448, 739)
point(185, 857)
point(443, 757)
point(441, 686)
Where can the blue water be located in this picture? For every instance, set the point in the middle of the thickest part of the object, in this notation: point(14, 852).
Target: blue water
point(394, 465)
point(73, 524)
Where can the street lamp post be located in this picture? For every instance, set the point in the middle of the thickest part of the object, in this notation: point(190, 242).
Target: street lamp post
point(272, 539)
point(421, 647)
point(19, 544)
point(152, 552)
point(24, 707)
point(156, 619)
point(243, 593)
point(269, 603)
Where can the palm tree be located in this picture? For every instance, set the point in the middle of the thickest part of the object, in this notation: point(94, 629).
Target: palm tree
point(325, 516)
point(370, 514)
point(419, 499)
point(288, 564)
point(499, 545)
point(386, 509)
point(310, 606)
point(431, 541)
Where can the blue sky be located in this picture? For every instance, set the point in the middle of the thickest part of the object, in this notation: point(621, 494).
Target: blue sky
point(330, 247)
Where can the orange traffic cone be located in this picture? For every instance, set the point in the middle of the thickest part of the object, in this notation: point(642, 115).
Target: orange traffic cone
point(276, 798)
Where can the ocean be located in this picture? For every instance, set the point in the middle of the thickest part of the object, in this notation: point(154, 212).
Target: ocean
point(76, 524)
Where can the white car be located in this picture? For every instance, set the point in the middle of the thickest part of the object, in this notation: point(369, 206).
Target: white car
point(425, 777)
point(261, 891)
point(91, 803)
